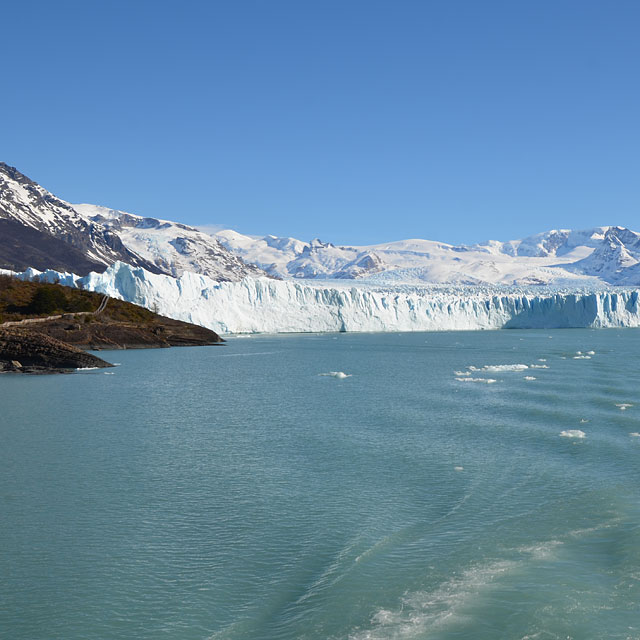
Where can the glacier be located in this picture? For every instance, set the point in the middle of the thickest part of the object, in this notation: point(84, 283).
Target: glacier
point(264, 305)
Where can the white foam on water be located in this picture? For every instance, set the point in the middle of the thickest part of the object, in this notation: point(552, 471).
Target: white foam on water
point(244, 355)
point(573, 433)
point(539, 366)
point(582, 357)
point(541, 551)
point(458, 468)
point(462, 373)
point(485, 380)
point(623, 406)
point(591, 353)
point(109, 373)
point(499, 368)
point(529, 378)
point(583, 421)
point(542, 359)
point(87, 368)
point(635, 434)
point(340, 375)
point(422, 612)
point(578, 353)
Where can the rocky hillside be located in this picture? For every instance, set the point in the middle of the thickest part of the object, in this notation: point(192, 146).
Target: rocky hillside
point(39, 230)
point(26, 203)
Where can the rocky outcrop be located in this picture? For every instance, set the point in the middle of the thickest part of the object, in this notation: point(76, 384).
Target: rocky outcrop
point(101, 332)
point(27, 351)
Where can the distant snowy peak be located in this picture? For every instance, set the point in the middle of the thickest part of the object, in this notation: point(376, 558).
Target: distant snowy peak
point(616, 258)
point(605, 255)
point(25, 202)
point(292, 258)
point(556, 242)
point(172, 247)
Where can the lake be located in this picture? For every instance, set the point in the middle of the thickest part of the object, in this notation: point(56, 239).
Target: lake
point(234, 492)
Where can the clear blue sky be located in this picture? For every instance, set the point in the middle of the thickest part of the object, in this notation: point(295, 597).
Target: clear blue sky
point(353, 121)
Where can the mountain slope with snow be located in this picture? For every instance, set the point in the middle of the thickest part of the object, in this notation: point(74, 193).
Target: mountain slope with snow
point(172, 247)
point(26, 203)
point(603, 255)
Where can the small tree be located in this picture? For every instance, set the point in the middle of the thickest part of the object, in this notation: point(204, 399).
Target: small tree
point(47, 299)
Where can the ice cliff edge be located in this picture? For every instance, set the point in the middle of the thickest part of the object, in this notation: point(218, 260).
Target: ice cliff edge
point(263, 305)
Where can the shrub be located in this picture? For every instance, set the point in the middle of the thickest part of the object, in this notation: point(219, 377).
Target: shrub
point(48, 299)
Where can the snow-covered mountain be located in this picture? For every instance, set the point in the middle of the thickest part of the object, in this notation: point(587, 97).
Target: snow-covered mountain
point(172, 247)
point(258, 305)
point(36, 223)
point(603, 255)
point(38, 229)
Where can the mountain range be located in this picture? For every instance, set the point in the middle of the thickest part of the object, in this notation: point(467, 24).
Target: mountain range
point(39, 230)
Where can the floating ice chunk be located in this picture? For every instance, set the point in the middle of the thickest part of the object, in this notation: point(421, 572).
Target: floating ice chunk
point(529, 378)
point(583, 421)
point(538, 366)
point(591, 353)
point(578, 353)
point(458, 468)
point(635, 434)
point(341, 375)
point(485, 380)
point(582, 357)
point(573, 433)
point(623, 406)
point(462, 373)
point(499, 368)
point(542, 359)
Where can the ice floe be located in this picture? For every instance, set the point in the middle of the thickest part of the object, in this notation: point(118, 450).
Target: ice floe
point(573, 433)
point(341, 375)
point(500, 368)
point(485, 380)
point(623, 406)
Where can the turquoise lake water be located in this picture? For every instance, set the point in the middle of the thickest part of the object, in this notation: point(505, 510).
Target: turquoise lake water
point(234, 493)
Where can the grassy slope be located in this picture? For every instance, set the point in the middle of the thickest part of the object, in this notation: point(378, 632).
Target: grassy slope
point(16, 296)
point(120, 325)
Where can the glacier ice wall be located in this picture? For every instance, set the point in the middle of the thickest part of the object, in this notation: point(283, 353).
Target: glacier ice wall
point(275, 306)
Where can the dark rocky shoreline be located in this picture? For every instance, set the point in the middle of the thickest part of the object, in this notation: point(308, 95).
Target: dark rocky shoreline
point(27, 351)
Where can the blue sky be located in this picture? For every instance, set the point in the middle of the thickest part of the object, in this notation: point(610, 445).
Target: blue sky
point(352, 121)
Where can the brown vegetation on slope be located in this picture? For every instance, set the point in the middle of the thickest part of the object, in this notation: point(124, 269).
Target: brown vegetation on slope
point(73, 317)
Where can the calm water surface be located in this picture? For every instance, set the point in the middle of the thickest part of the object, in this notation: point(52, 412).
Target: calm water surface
point(234, 493)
